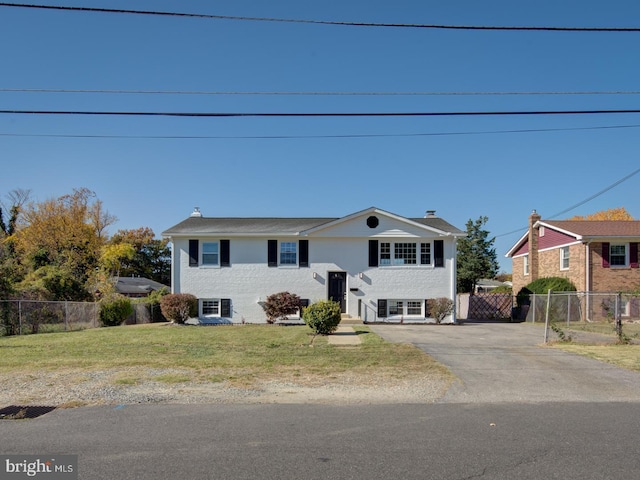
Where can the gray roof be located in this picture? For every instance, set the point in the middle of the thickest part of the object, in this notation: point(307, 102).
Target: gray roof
point(260, 225)
point(132, 285)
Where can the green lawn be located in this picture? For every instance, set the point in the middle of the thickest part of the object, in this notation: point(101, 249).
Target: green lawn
point(241, 353)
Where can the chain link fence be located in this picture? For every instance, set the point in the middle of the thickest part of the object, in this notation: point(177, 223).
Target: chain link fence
point(21, 317)
point(600, 313)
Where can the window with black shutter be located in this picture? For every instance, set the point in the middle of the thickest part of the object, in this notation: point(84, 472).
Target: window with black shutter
point(438, 253)
point(303, 246)
point(272, 253)
point(193, 253)
point(382, 308)
point(225, 253)
point(373, 253)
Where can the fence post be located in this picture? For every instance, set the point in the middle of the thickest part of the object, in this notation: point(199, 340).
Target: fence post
point(546, 320)
point(568, 309)
point(19, 317)
point(66, 315)
point(533, 304)
point(618, 315)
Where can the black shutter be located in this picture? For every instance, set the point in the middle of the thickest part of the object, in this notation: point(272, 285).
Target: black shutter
point(304, 303)
point(426, 309)
point(304, 253)
point(225, 307)
point(225, 253)
point(373, 253)
point(273, 253)
point(382, 308)
point(193, 253)
point(438, 253)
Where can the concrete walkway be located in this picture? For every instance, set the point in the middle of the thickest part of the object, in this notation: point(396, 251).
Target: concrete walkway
point(344, 336)
point(507, 362)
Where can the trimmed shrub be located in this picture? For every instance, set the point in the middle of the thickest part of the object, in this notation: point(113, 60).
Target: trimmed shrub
point(179, 307)
point(323, 316)
point(280, 305)
point(439, 308)
point(542, 286)
point(115, 310)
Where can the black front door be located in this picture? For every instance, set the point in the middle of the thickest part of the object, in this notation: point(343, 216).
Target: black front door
point(338, 289)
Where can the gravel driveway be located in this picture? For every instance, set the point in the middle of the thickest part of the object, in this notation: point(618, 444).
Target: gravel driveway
point(507, 362)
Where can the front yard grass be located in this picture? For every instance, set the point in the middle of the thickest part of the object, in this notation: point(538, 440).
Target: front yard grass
point(240, 354)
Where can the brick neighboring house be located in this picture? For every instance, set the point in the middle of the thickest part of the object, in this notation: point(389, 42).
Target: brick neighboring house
point(595, 255)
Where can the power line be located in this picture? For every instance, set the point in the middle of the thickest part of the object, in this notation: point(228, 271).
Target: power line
point(320, 22)
point(182, 92)
point(588, 199)
point(293, 137)
point(316, 114)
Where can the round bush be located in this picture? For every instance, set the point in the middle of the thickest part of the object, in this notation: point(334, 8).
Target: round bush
point(322, 317)
point(179, 307)
point(115, 310)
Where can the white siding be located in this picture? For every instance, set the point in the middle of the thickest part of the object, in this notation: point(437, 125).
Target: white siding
point(249, 280)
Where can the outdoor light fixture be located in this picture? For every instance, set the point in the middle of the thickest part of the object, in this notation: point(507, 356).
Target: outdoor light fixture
point(315, 275)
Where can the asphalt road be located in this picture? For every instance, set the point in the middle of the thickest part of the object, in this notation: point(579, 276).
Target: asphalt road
point(507, 362)
point(277, 442)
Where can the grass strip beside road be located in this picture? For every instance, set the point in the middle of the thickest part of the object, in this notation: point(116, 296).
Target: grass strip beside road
point(242, 353)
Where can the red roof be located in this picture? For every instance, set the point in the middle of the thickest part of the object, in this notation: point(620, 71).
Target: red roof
point(597, 228)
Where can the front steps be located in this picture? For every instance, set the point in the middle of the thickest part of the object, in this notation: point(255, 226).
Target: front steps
point(349, 320)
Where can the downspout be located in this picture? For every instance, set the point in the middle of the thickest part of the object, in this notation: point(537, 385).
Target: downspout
point(587, 279)
point(173, 263)
point(454, 313)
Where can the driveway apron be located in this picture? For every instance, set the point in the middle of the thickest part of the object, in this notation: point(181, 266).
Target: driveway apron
point(508, 362)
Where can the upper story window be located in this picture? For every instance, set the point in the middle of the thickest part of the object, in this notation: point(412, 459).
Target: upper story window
point(288, 253)
point(564, 258)
point(404, 253)
point(210, 253)
point(618, 255)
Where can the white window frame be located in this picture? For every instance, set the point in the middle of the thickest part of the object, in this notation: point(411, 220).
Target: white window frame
point(617, 255)
point(216, 253)
point(215, 303)
point(565, 258)
point(295, 252)
point(387, 254)
point(525, 264)
point(392, 305)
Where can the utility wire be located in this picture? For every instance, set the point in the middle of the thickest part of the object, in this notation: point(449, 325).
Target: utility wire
point(182, 92)
point(293, 137)
point(317, 114)
point(588, 199)
point(320, 22)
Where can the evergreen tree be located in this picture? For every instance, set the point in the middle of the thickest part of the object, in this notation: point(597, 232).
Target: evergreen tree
point(476, 256)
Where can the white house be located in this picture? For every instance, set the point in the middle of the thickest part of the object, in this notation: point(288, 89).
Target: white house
point(378, 265)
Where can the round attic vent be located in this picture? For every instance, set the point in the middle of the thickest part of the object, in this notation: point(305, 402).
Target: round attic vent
point(373, 222)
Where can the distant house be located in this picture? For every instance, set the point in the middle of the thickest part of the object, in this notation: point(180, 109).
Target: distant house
point(137, 287)
point(379, 266)
point(596, 256)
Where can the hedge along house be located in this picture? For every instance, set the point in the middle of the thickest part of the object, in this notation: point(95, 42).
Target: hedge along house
point(379, 266)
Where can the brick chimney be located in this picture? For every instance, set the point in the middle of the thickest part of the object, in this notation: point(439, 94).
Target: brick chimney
point(533, 245)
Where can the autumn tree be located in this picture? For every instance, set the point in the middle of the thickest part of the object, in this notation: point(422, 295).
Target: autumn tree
point(9, 265)
point(152, 257)
point(610, 214)
point(476, 256)
point(60, 233)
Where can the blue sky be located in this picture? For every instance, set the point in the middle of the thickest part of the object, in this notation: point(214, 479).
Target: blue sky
point(462, 167)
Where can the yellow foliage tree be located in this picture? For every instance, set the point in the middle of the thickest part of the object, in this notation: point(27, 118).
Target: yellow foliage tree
point(610, 214)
